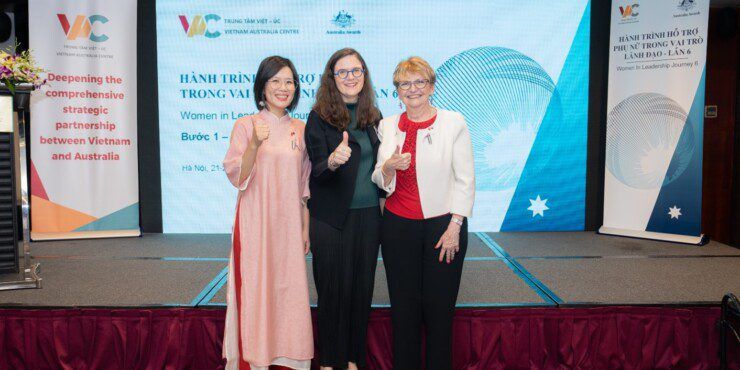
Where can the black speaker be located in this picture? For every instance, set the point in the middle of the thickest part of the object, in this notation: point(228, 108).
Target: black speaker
point(9, 220)
point(727, 23)
point(6, 26)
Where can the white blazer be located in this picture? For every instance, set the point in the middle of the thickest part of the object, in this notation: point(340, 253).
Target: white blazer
point(444, 163)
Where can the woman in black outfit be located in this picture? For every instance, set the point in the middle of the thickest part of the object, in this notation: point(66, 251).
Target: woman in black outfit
point(345, 207)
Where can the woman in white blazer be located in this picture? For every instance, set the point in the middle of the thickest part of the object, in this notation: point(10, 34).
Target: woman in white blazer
point(425, 164)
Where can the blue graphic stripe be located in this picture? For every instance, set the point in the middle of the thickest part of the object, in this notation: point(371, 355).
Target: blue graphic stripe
point(210, 289)
point(684, 192)
point(540, 288)
point(198, 259)
point(556, 167)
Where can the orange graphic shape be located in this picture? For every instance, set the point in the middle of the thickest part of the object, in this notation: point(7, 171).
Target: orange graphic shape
point(49, 217)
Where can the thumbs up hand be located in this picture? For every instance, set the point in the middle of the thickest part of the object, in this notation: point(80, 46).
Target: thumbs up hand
point(260, 131)
point(397, 162)
point(341, 154)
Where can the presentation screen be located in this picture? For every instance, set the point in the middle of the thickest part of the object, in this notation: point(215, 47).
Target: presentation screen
point(517, 70)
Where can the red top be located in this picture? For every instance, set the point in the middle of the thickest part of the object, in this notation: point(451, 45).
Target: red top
point(405, 200)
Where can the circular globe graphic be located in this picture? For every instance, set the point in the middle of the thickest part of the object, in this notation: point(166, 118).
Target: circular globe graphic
point(646, 144)
point(503, 95)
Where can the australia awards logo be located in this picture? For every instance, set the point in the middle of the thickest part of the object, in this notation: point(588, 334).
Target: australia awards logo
point(686, 5)
point(201, 25)
point(343, 19)
point(685, 8)
point(83, 27)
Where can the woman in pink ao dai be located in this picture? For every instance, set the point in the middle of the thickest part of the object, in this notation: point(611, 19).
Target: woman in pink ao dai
point(268, 319)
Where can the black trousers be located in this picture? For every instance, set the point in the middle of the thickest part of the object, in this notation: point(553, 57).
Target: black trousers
point(422, 289)
point(344, 264)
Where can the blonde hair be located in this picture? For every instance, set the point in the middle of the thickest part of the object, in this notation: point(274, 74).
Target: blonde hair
point(414, 65)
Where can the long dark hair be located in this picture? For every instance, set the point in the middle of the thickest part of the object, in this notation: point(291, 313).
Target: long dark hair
point(268, 68)
point(329, 104)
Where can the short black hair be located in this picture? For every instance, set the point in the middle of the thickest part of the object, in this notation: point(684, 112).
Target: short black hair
point(268, 68)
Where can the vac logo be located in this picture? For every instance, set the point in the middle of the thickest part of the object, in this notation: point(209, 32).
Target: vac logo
point(629, 10)
point(83, 27)
point(201, 25)
point(629, 13)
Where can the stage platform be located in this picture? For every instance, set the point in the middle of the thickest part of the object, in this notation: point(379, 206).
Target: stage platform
point(501, 270)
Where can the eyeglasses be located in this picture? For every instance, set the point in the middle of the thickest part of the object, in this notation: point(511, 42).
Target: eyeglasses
point(276, 83)
point(343, 73)
point(419, 84)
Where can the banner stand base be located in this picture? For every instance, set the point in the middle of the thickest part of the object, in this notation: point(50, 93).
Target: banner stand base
point(28, 279)
point(47, 236)
point(674, 238)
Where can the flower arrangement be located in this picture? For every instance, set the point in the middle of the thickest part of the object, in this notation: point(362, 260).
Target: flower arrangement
point(19, 69)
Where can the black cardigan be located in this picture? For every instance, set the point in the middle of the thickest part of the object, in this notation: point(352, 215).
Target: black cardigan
point(332, 191)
